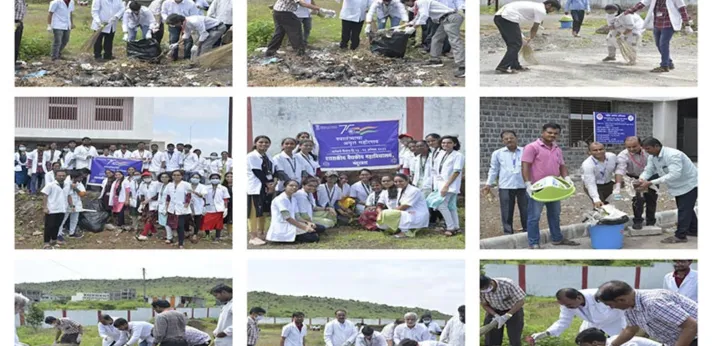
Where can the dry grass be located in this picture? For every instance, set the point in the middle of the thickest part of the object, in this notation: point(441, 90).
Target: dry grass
point(88, 45)
point(527, 53)
point(627, 51)
point(221, 57)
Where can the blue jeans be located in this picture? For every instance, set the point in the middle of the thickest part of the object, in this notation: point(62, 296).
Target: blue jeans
point(36, 182)
point(134, 32)
point(553, 211)
point(662, 41)
point(144, 343)
point(395, 21)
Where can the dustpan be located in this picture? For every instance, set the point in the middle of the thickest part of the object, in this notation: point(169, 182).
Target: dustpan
point(552, 189)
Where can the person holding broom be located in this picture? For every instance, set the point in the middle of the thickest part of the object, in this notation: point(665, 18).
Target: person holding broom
point(105, 14)
point(508, 20)
point(209, 31)
point(185, 8)
point(630, 26)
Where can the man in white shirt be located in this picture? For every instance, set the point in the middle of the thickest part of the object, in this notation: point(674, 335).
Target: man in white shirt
point(83, 155)
point(109, 334)
point(598, 173)
point(69, 161)
point(683, 280)
point(340, 331)
point(144, 155)
point(157, 29)
point(60, 23)
point(597, 337)
point(123, 153)
point(196, 337)
point(353, 14)
point(411, 329)
point(221, 10)
point(508, 20)
point(134, 333)
point(158, 162)
point(385, 9)
point(138, 17)
point(183, 8)
point(454, 332)
point(388, 331)
point(208, 30)
point(54, 205)
point(173, 158)
point(105, 14)
point(583, 304)
point(191, 163)
point(404, 153)
point(369, 337)
point(223, 331)
point(295, 333)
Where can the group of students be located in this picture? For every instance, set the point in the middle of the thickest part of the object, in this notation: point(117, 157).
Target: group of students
point(406, 331)
point(303, 201)
point(175, 189)
point(440, 21)
point(181, 16)
point(668, 17)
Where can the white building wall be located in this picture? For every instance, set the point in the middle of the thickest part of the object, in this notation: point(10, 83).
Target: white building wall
point(143, 314)
point(83, 317)
point(445, 116)
point(143, 117)
point(665, 122)
point(597, 276)
point(544, 281)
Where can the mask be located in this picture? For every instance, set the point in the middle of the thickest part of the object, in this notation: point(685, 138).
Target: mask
point(426, 321)
point(488, 290)
point(215, 181)
point(148, 180)
point(66, 150)
point(23, 148)
point(194, 180)
point(137, 177)
point(462, 319)
point(213, 158)
point(259, 318)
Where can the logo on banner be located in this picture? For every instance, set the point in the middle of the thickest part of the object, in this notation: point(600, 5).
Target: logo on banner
point(599, 116)
point(631, 118)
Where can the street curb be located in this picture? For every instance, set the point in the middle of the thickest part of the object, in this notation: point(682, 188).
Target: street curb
point(665, 219)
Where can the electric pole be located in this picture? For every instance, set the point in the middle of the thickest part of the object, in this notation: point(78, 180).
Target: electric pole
point(145, 298)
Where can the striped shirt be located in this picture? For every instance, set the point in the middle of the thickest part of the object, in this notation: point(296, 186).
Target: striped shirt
point(253, 331)
point(631, 164)
point(195, 337)
point(20, 10)
point(661, 313)
point(286, 5)
point(169, 325)
point(68, 327)
point(504, 296)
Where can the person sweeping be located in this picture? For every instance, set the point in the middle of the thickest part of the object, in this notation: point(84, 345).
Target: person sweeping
point(628, 27)
point(105, 14)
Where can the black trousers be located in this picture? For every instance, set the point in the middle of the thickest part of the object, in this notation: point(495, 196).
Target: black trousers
point(311, 237)
point(105, 41)
point(604, 191)
point(286, 23)
point(51, 226)
point(515, 327)
point(182, 227)
point(647, 202)
point(158, 36)
point(18, 39)
point(686, 217)
point(577, 16)
point(350, 31)
point(507, 199)
point(121, 217)
point(512, 35)
point(197, 222)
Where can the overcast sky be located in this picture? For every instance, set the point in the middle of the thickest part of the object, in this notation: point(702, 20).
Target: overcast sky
point(436, 285)
point(208, 117)
point(104, 265)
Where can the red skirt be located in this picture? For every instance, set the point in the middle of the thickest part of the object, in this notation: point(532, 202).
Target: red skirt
point(212, 221)
point(368, 220)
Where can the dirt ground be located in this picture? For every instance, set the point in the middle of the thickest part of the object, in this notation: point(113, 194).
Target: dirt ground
point(83, 70)
point(568, 61)
point(331, 66)
point(29, 227)
point(572, 211)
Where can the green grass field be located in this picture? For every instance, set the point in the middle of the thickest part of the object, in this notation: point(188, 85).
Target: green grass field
point(271, 335)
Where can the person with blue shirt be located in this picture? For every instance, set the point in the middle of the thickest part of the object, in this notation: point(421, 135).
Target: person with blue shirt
point(578, 10)
point(506, 172)
point(679, 173)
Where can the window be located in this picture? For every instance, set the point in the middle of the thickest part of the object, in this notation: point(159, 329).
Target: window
point(109, 109)
point(581, 120)
point(62, 108)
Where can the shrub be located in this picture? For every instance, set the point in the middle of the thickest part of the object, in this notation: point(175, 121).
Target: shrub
point(35, 47)
point(259, 34)
point(35, 316)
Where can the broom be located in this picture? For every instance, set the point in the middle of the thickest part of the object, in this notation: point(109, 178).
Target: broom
point(527, 53)
point(88, 46)
point(627, 51)
point(488, 328)
point(218, 57)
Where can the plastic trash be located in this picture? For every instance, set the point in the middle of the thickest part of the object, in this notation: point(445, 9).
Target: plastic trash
point(146, 50)
point(552, 189)
point(40, 73)
point(390, 46)
point(434, 200)
point(93, 221)
point(267, 61)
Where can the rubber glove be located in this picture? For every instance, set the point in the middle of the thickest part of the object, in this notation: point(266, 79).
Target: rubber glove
point(409, 30)
point(149, 35)
point(49, 29)
point(368, 27)
point(173, 46)
point(530, 190)
point(126, 37)
point(568, 180)
point(688, 30)
point(502, 320)
point(617, 192)
point(79, 339)
point(539, 336)
point(225, 213)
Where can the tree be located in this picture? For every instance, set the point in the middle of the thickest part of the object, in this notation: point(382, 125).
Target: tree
point(35, 316)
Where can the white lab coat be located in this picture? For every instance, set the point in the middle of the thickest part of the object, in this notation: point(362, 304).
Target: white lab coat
point(191, 163)
point(454, 332)
point(384, 199)
point(377, 339)
point(279, 229)
point(293, 336)
point(418, 333)
point(673, 10)
point(360, 191)
point(197, 203)
point(186, 8)
point(421, 172)
point(154, 190)
point(144, 18)
point(337, 334)
point(688, 287)
point(103, 11)
point(388, 331)
point(173, 161)
point(122, 155)
point(434, 329)
point(290, 166)
point(224, 326)
point(18, 163)
point(123, 196)
point(305, 202)
point(176, 206)
point(138, 332)
point(417, 215)
point(594, 315)
point(108, 334)
point(308, 163)
point(82, 154)
point(444, 166)
point(157, 161)
point(254, 161)
point(61, 14)
point(328, 197)
point(33, 155)
point(145, 157)
point(394, 9)
point(217, 165)
point(56, 197)
point(215, 198)
point(199, 25)
point(221, 10)
point(354, 10)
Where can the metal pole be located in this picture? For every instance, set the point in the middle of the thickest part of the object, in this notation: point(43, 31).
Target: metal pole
point(145, 298)
point(229, 129)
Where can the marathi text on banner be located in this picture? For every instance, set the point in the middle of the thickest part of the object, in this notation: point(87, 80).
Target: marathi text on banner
point(99, 165)
point(354, 145)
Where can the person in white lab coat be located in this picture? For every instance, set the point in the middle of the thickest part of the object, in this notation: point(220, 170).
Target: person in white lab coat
point(404, 152)
point(287, 165)
point(420, 168)
point(68, 160)
point(361, 189)
point(173, 158)
point(138, 17)
point(388, 330)
point(148, 193)
point(353, 14)
point(120, 197)
point(207, 30)
point(410, 330)
point(583, 304)
point(158, 162)
point(454, 331)
point(260, 188)
point(597, 337)
point(21, 303)
point(223, 331)
point(134, 333)
point(308, 210)
point(105, 14)
point(179, 194)
point(340, 331)
point(49, 177)
point(309, 161)
point(144, 155)
point(222, 166)
point(54, 205)
point(52, 155)
point(75, 191)
point(447, 177)
point(123, 153)
point(21, 176)
point(285, 225)
point(191, 163)
point(411, 202)
point(109, 334)
point(37, 168)
point(385, 9)
point(60, 23)
point(683, 280)
point(329, 193)
point(197, 204)
point(295, 333)
point(185, 8)
point(83, 155)
point(433, 327)
point(630, 26)
point(370, 337)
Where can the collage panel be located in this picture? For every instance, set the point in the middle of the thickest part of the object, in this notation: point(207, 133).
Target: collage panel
point(612, 173)
point(589, 302)
point(292, 307)
point(120, 43)
point(588, 43)
point(356, 43)
point(356, 173)
point(123, 173)
point(141, 302)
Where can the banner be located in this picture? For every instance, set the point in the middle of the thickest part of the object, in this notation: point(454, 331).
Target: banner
point(356, 145)
point(100, 164)
point(613, 128)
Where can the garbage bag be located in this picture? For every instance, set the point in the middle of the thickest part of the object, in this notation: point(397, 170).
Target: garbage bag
point(392, 47)
point(146, 50)
point(93, 221)
point(434, 199)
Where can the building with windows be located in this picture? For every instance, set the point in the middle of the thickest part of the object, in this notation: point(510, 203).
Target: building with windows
point(671, 120)
point(126, 294)
point(33, 295)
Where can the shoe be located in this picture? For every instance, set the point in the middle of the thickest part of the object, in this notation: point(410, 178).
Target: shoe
point(257, 241)
point(673, 240)
point(637, 225)
point(672, 67)
point(141, 238)
point(77, 235)
point(534, 247)
point(216, 241)
point(650, 223)
point(565, 242)
point(460, 73)
point(434, 61)
point(60, 238)
point(609, 58)
point(660, 69)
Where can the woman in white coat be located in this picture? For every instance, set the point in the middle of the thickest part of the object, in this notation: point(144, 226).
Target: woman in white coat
point(119, 197)
point(197, 203)
point(260, 188)
point(420, 170)
point(631, 26)
point(447, 177)
point(105, 15)
point(308, 210)
point(162, 193)
point(148, 193)
point(389, 198)
point(411, 202)
point(361, 190)
point(309, 161)
point(288, 166)
point(285, 225)
point(216, 202)
point(179, 194)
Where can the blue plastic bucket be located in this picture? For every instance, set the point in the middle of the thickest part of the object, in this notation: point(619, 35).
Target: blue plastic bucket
point(607, 237)
point(567, 25)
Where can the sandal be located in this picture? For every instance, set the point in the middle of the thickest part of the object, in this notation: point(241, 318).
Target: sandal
point(566, 242)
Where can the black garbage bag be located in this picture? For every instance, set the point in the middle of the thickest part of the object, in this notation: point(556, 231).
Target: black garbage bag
point(619, 221)
point(93, 221)
point(146, 50)
point(392, 47)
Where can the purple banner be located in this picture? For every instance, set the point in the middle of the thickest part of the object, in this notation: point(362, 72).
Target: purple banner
point(100, 164)
point(354, 145)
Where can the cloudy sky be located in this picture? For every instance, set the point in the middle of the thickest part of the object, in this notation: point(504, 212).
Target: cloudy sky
point(78, 266)
point(208, 117)
point(436, 285)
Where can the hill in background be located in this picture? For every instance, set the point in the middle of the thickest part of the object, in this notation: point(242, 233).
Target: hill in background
point(284, 305)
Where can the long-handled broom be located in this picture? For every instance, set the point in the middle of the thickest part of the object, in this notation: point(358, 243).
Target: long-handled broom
point(627, 51)
point(527, 53)
point(89, 44)
point(488, 328)
point(219, 57)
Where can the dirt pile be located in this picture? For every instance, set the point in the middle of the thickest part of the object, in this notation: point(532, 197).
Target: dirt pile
point(29, 216)
point(120, 73)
